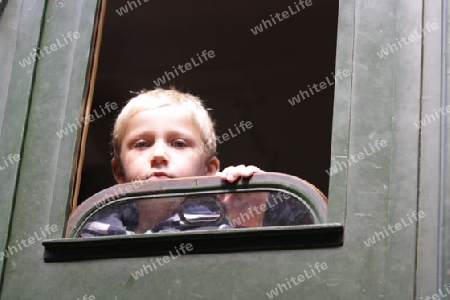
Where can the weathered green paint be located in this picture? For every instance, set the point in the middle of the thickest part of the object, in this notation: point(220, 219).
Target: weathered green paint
point(20, 28)
point(381, 100)
point(394, 109)
point(445, 147)
point(429, 185)
point(42, 193)
point(341, 114)
point(384, 103)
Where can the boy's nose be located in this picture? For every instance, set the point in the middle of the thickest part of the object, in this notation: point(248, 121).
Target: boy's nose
point(159, 154)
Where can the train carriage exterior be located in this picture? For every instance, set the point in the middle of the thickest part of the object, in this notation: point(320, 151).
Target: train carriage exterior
point(385, 233)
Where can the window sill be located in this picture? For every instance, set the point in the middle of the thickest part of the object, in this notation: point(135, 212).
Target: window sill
point(234, 240)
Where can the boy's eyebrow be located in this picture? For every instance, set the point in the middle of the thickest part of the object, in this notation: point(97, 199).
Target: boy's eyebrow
point(182, 131)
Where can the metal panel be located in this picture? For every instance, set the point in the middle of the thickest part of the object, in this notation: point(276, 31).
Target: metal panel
point(403, 158)
point(429, 185)
point(341, 113)
point(19, 33)
point(444, 238)
point(382, 185)
point(380, 101)
point(46, 165)
point(430, 140)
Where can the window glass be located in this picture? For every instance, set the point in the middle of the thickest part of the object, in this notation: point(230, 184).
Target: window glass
point(198, 211)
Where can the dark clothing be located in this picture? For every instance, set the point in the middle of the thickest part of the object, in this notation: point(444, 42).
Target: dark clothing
point(286, 212)
point(120, 219)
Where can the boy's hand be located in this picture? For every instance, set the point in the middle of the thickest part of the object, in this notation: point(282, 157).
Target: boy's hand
point(245, 209)
point(231, 174)
point(240, 203)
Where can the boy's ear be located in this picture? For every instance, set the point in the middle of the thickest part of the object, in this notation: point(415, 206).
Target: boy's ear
point(118, 171)
point(212, 166)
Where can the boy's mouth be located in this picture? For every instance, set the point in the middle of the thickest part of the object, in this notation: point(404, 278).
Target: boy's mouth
point(158, 176)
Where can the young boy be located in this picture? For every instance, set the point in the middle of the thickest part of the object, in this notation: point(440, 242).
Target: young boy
point(164, 134)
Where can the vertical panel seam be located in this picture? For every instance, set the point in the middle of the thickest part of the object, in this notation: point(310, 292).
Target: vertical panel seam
point(442, 147)
point(350, 109)
point(419, 156)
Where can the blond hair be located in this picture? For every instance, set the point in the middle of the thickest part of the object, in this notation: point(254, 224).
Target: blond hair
point(159, 97)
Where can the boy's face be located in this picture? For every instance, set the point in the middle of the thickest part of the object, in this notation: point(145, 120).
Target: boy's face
point(162, 143)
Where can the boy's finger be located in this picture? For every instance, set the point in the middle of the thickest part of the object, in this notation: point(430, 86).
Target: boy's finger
point(231, 174)
point(230, 177)
point(227, 176)
point(250, 170)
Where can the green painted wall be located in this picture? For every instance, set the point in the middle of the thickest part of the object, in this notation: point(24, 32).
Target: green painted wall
point(381, 100)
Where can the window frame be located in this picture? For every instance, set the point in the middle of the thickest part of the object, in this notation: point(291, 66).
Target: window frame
point(270, 181)
point(264, 238)
point(334, 216)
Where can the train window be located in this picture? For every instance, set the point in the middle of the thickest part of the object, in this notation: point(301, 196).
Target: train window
point(198, 212)
point(269, 211)
point(260, 71)
point(144, 210)
point(276, 76)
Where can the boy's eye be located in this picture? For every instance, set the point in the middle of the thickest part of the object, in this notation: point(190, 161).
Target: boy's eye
point(179, 144)
point(141, 144)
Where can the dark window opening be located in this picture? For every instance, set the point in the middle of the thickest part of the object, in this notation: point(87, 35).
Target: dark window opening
point(250, 78)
